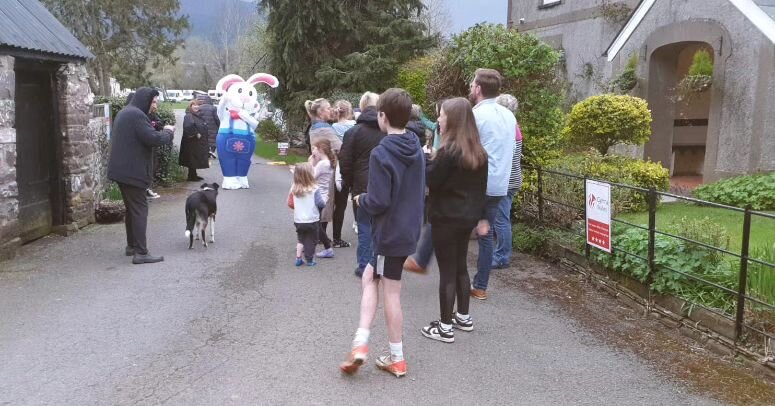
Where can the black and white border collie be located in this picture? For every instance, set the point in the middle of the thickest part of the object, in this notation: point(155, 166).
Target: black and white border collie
point(200, 211)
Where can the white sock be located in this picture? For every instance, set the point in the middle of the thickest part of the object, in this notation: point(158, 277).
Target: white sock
point(463, 317)
point(361, 337)
point(397, 351)
point(445, 327)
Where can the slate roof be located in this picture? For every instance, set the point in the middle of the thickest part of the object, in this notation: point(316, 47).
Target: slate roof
point(26, 25)
point(768, 6)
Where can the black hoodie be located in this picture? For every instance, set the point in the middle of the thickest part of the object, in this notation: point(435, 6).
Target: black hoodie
point(396, 193)
point(132, 140)
point(356, 150)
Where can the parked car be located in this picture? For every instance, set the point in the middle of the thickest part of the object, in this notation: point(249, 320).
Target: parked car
point(175, 96)
point(215, 95)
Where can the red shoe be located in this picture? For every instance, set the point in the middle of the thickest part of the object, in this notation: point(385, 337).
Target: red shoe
point(412, 266)
point(355, 359)
point(397, 368)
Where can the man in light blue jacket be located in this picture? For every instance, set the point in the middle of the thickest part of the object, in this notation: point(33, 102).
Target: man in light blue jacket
point(496, 126)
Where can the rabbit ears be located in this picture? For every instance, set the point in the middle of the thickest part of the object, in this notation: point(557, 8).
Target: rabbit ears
point(227, 81)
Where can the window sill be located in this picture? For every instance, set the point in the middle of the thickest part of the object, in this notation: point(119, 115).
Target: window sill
point(550, 5)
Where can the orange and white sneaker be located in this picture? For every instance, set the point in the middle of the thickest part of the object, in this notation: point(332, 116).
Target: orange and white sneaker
point(355, 359)
point(397, 368)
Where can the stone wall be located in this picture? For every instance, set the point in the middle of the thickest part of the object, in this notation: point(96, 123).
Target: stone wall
point(80, 154)
point(9, 203)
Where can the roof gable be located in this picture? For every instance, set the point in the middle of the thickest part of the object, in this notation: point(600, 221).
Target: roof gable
point(761, 13)
point(27, 25)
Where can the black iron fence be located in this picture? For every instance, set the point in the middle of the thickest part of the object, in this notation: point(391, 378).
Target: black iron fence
point(556, 200)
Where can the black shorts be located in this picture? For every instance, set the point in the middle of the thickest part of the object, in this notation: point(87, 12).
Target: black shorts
point(392, 267)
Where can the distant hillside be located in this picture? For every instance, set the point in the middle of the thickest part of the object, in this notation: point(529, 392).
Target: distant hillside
point(204, 15)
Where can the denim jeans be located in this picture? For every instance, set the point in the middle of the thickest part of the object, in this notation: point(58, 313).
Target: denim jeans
point(424, 253)
point(484, 263)
point(364, 252)
point(502, 228)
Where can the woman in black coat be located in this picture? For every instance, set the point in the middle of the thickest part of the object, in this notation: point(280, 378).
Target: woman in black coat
point(194, 147)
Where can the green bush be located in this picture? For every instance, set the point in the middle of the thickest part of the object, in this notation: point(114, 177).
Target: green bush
point(628, 79)
point(529, 68)
point(606, 120)
point(702, 64)
point(758, 191)
point(269, 131)
point(529, 240)
point(672, 254)
point(610, 168)
point(761, 278)
point(113, 193)
point(413, 77)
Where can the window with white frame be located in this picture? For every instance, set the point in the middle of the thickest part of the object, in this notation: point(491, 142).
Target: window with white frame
point(547, 3)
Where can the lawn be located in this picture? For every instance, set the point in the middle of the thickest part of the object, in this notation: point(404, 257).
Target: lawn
point(268, 150)
point(177, 105)
point(762, 229)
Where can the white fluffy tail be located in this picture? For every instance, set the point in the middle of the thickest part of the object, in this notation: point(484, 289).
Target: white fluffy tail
point(188, 234)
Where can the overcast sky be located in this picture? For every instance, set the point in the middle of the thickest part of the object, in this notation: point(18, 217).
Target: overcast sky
point(465, 13)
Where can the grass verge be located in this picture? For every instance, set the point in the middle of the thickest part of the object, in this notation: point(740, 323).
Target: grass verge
point(268, 150)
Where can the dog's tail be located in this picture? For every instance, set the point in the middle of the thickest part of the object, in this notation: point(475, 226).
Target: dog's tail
point(190, 220)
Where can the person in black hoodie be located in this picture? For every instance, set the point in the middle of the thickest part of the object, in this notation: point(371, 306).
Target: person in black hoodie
point(354, 167)
point(394, 200)
point(457, 183)
point(129, 165)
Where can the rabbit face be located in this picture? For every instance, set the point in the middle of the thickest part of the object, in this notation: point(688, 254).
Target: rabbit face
point(242, 96)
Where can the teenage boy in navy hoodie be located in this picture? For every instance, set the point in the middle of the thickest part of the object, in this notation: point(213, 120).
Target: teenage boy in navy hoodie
point(394, 201)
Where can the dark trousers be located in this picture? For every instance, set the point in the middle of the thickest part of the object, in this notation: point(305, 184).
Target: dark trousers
point(192, 174)
point(322, 236)
point(340, 206)
point(451, 246)
point(307, 235)
point(136, 219)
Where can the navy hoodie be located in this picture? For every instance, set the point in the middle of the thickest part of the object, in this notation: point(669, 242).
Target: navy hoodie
point(395, 195)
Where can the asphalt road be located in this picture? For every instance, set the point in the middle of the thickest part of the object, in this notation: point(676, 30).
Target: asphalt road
point(237, 323)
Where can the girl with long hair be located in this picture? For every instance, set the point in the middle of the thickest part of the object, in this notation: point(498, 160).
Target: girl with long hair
point(323, 159)
point(457, 181)
point(306, 202)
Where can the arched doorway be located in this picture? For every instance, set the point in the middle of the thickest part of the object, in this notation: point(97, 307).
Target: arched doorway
point(681, 120)
point(685, 129)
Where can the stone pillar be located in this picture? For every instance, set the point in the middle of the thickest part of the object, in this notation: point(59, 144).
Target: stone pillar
point(9, 191)
point(79, 147)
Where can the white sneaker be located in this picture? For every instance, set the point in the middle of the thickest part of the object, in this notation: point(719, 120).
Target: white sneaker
point(151, 194)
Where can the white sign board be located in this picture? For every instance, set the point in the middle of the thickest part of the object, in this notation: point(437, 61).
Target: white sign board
point(598, 201)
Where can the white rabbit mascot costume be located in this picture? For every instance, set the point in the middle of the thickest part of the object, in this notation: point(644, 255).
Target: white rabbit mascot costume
point(236, 139)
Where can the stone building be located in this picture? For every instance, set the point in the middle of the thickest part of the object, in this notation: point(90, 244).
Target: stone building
point(47, 150)
point(724, 131)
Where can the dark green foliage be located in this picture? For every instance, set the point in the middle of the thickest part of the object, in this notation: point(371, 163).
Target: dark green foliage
point(269, 131)
point(126, 36)
point(628, 79)
point(529, 240)
point(349, 45)
point(529, 68)
point(113, 193)
point(671, 255)
point(758, 191)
